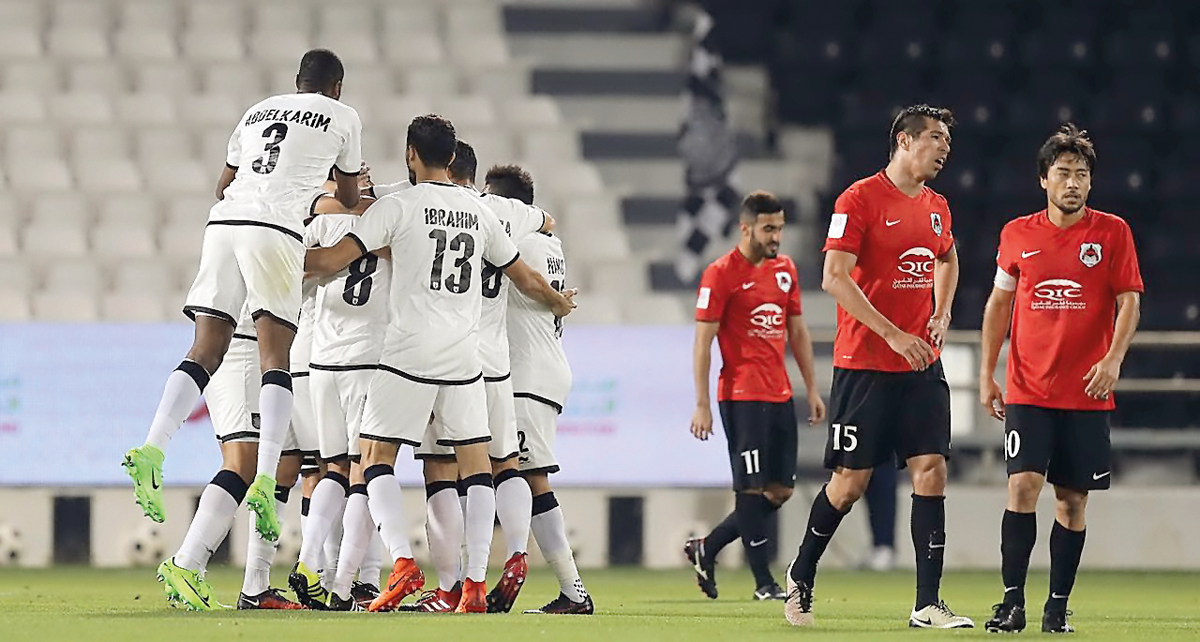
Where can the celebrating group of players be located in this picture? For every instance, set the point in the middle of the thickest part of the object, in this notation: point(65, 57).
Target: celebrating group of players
point(1068, 284)
point(337, 320)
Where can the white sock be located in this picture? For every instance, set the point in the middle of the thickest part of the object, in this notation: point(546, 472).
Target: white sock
point(260, 554)
point(514, 503)
point(179, 398)
point(275, 411)
point(328, 503)
point(372, 563)
point(445, 530)
point(358, 532)
point(210, 525)
point(387, 510)
point(480, 520)
point(462, 553)
point(550, 531)
point(332, 551)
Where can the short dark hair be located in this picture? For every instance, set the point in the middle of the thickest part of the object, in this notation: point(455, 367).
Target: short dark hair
point(911, 120)
point(1069, 139)
point(433, 139)
point(760, 202)
point(319, 69)
point(464, 164)
point(510, 181)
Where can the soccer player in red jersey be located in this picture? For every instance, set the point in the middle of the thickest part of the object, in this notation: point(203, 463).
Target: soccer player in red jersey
point(1070, 270)
point(891, 264)
point(749, 300)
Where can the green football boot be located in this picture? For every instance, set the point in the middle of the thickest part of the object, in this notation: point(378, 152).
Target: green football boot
point(187, 589)
point(144, 466)
point(260, 499)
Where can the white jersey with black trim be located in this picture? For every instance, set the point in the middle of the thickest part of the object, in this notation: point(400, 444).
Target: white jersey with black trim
point(539, 365)
point(351, 309)
point(282, 151)
point(440, 234)
point(519, 220)
point(390, 188)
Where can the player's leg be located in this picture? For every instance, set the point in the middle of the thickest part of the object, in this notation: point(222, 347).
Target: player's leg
point(444, 526)
point(260, 554)
point(701, 553)
point(462, 414)
point(881, 510)
point(774, 459)
point(1082, 462)
point(357, 529)
point(1028, 445)
point(396, 412)
point(514, 500)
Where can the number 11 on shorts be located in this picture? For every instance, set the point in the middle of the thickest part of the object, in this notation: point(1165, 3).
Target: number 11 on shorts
point(845, 438)
point(751, 458)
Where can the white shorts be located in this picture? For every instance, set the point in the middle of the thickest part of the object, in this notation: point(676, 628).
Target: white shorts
point(232, 393)
point(338, 398)
point(537, 424)
point(261, 267)
point(502, 424)
point(302, 437)
point(397, 411)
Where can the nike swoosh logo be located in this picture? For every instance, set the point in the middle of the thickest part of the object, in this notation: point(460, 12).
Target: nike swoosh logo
point(251, 602)
point(1026, 255)
point(891, 223)
point(1058, 597)
point(202, 598)
point(1098, 476)
point(814, 532)
point(153, 480)
point(926, 621)
point(937, 546)
point(758, 543)
point(747, 286)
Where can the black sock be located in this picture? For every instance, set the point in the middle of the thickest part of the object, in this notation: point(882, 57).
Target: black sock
point(929, 542)
point(823, 521)
point(721, 536)
point(1018, 532)
point(752, 512)
point(1066, 548)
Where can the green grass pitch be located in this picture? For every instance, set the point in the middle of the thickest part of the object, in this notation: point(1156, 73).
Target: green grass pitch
point(80, 604)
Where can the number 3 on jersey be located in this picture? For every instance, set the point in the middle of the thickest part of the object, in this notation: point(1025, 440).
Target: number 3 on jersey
point(276, 133)
point(358, 284)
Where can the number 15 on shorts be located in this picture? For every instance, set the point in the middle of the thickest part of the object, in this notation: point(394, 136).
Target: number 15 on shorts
point(845, 438)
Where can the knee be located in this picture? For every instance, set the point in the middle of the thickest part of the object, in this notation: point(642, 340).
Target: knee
point(209, 357)
point(778, 496)
point(929, 478)
point(1023, 490)
point(1070, 504)
point(844, 489)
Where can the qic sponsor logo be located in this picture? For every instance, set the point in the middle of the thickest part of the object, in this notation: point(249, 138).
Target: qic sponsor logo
point(767, 320)
point(917, 264)
point(1058, 294)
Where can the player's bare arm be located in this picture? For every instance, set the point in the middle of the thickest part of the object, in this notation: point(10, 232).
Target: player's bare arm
point(997, 316)
point(836, 280)
point(945, 283)
point(1102, 377)
point(802, 351)
point(323, 261)
point(224, 180)
point(347, 187)
point(702, 419)
point(533, 285)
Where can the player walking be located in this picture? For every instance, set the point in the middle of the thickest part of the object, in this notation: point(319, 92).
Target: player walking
point(1070, 270)
point(750, 301)
point(889, 245)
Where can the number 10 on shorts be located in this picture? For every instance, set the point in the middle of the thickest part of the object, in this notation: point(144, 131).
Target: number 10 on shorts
point(845, 438)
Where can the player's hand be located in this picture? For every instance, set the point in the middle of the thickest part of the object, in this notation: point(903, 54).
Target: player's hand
point(563, 306)
point(991, 397)
point(816, 408)
point(915, 351)
point(364, 177)
point(1102, 378)
point(938, 326)
point(702, 423)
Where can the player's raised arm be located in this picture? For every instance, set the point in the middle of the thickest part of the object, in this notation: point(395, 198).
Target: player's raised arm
point(702, 419)
point(534, 286)
point(836, 280)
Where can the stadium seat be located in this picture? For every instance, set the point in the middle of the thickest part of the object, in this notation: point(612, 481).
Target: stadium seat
point(404, 19)
point(46, 241)
point(128, 209)
point(142, 275)
point(469, 111)
point(81, 13)
point(279, 48)
point(19, 107)
point(38, 76)
point(180, 242)
point(353, 47)
point(106, 176)
point(210, 109)
point(131, 307)
point(216, 16)
point(240, 80)
point(398, 111)
point(432, 81)
point(493, 146)
point(544, 145)
point(66, 209)
point(102, 76)
point(478, 51)
point(189, 211)
point(38, 141)
point(168, 78)
point(149, 15)
point(48, 175)
point(18, 275)
point(8, 238)
point(78, 275)
point(140, 45)
point(17, 43)
point(357, 19)
point(81, 108)
point(145, 109)
point(369, 81)
point(281, 16)
point(474, 19)
point(1141, 50)
point(82, 42)
point(652, 309)
point(14, 305)
point(69, 307)
point(22, 15)
point(512, 80)
point(216, 45)
point(420, 48)
point(100, 144)
point(596, 308)
point(181, 176)
point(163, 144)
point(123, 240)
point(214, 143)
point(529, 112)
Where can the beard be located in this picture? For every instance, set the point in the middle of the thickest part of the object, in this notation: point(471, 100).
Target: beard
point(1070, 209)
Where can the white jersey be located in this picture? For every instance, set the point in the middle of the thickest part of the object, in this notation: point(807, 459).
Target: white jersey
point(390, 188)
point(283, 149)
point(519, 220)
point(539, 364)
point(351, 309)
point(440, 235)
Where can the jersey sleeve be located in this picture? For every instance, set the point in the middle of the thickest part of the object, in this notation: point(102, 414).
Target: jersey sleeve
point(848, 224)
point(349, 161)
point(711, 298)
point(527, 220)
point(500, 250)
point(794, 308)
point(377, 226)
point(1007, 271)
point(947, 238)
point(1125, 275)
point(390, 188)
point(233, 149)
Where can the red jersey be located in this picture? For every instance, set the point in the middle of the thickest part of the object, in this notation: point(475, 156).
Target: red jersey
point(1067, 282)
point(896, 238)
point(752, 304)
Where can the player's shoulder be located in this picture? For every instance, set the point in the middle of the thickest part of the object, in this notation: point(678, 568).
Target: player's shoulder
point(935, 198)
point(1108, 220)
point(722, 264)
point(783, 262)
point(864, 192)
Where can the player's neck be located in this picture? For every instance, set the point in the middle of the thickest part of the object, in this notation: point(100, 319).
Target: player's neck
point(424, 175)
point(747, 253)
point(1061, 219)
point(904, 180)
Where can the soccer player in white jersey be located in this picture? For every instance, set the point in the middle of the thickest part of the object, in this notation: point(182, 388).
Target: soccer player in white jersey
point(439, 236)
point(277, 161)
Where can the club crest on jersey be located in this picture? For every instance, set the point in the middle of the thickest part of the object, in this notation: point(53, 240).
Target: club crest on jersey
point(935, 219)
point(784, 280)
point(1089, 254)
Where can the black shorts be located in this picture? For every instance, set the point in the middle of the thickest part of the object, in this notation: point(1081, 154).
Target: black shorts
point(877, 416)
point(1070, 447)
point(762, 442)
